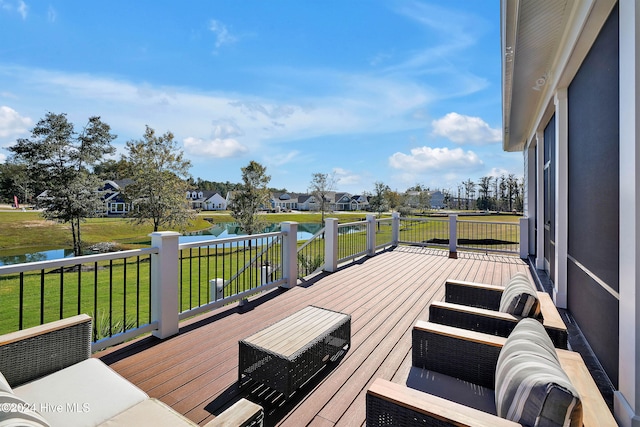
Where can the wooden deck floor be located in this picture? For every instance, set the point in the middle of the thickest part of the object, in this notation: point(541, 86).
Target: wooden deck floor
point(195, 372)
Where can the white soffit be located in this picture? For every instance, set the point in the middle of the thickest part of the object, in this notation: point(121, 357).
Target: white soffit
point(532, 31)
point(544, 43)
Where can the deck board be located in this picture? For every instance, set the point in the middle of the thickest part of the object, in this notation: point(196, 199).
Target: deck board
point(195, 372)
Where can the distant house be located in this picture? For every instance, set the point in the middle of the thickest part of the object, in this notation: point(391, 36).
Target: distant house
point(113, 201)
point(342, 202)
point(306, 202)
point(284, 201)
point(206, 200)
point(436, 199)
point(113, 198)
point(359, 203)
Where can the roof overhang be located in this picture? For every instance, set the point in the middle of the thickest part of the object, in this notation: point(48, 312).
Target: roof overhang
point(543, 44)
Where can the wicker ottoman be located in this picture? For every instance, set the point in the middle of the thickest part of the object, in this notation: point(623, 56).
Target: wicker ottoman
point(288, 353)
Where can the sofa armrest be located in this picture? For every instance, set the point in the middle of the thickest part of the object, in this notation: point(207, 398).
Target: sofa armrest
point(473, 294)
point(459, 353)
point(595, 411)
point(38, 351)
point(490, 321)
point(243, 413)
point(552, 321)
point(397, 405)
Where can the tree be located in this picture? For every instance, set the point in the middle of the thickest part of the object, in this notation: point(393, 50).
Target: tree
point(378, 201)
point(113, 170)
point(57, 155)
point(159, 172)
point(470, 189)
point(393, 199)
point(484, 202)
point(321, 185)
point(251, 197)
point(15, 181)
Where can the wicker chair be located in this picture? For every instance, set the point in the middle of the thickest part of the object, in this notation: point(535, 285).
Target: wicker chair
point(451, 383)
point(475, 306)
point(30, 358)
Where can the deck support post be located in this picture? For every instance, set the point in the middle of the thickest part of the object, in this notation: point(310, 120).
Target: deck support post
point(330, 244)
point(524, 238)
point(164, 283)
point(395, 228)
point(371, 234)
point(453, 236)
point(290, 254)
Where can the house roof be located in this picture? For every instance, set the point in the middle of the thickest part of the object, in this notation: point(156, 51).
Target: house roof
point(543, 45)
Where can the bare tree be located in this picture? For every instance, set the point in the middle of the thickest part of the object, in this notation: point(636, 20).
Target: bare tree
point(321, 185)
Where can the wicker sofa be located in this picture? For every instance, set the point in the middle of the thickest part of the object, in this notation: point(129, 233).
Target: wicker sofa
point(476, 306)
point(452, 382)
point(48, 378)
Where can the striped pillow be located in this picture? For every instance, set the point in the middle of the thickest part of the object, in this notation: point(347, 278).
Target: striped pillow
point(520, 297)
point(531, 387)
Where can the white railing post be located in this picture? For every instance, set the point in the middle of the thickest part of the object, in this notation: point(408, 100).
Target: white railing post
point(524, 238)
point(164, 283)
point(290, 254)
point(395, 228)
point(371, 234)
point(330, 244)
point(453, 236)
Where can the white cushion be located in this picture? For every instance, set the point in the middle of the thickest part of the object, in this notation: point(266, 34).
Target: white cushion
point(85, 394)
point(16, 412)
point(149, 413)
point(4, 385)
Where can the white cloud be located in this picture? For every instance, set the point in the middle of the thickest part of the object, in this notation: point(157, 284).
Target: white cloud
point(223, 36)
point(216, 148)
point(52, 15)
point(346, 178)
point(465, 129)
point(3, 158)
point(18, 6)
point(277, 160)
point(22, 9)
point(498, 172)
point(12, 123)
point(427, 159)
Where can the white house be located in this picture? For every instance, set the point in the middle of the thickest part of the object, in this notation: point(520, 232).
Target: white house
point(206, 200)
point(571, 105)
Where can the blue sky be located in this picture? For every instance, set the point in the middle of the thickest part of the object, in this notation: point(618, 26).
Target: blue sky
point(402, 92)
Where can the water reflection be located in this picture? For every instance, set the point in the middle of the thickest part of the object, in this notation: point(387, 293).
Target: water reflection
point(36, 256)
point(217, 231)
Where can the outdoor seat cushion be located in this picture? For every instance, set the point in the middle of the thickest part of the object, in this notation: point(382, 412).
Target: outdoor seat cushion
point(149, 413)
point(531, 387)
point(87, 393)
point(15, 411)
point(520, 297)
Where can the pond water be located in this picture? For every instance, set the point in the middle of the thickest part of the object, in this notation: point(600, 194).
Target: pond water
point(218, 231)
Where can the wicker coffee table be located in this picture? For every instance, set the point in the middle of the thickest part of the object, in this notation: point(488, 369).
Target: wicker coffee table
point(288, 353)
